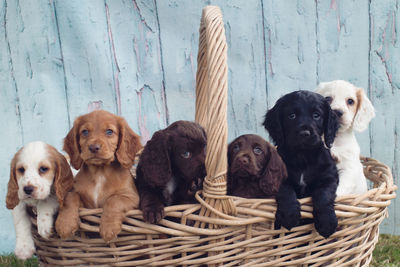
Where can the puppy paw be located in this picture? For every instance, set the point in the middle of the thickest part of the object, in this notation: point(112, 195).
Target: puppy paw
point(109, 230)
point(45, 227)
point(24, 250)
point(153, 214)
point(288, 217)
point(325, 223)
point(66, 228)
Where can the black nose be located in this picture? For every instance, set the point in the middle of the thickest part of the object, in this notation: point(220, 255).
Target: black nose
point(338, 113)
point(94, 148)
point(28, 189)
point(304, 133)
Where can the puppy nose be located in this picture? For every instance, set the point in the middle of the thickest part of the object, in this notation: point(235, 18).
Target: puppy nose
point(304, 133)
point(94, 148)
point(244, 160)
point(28, 189)
point(338, 113)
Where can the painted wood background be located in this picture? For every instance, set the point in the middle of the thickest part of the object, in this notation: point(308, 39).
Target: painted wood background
point(60, 59)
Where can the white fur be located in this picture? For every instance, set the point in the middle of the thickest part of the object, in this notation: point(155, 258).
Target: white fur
point(98, 188)
point(345, 148)
point(31, 156)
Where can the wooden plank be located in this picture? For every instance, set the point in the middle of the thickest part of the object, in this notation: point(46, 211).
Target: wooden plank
point(32, 98)
point(384, 88)
point(38, 71)
point(246, 65)
point(343, 47)
point(133, 32)
point(87, 56)
point(290, 39)
point(12, 134)
point(179, 33)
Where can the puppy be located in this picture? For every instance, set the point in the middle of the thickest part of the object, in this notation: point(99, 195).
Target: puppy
point(303, 126)
point(355, 111)
point(39, 177)
point(102, 147)
point(171, 168)
point(255, 168)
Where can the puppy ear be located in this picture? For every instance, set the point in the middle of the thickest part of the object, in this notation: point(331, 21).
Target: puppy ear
point(128, 144)
point(272, 124)
point(64, 180)
point(274, 173)
point(154, 162)
point(71, 145)
point(12, 199)
point(231, 182)
point(365, 111)
point(331, 124)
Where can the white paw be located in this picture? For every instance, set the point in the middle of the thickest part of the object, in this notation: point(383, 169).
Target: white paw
point(45, 227)
point(24, 250)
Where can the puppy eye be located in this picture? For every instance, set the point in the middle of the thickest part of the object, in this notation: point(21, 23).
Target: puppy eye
point(186, 155)
point(43, 169)
point(292, 116)
point(316, 116)
point(350, 101)
point(329, 99)
point(236, 148)
point(21, 170)
point(109, 132)
point(257, 151)
point(85, 133)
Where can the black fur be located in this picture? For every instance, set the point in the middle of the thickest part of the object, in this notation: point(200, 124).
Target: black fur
point(303, 126)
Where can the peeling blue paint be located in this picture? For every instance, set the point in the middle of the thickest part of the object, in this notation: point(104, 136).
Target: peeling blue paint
point(60, 59)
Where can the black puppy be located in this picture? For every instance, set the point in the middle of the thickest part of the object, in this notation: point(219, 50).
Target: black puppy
point(171, 168)
point(303, 126)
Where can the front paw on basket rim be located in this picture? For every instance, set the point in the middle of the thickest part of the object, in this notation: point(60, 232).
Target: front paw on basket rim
point(153, 215)
point(325, 224)
point(288, 218)
point(109, 230)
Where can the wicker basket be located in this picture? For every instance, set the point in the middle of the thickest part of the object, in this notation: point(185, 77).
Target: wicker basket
point(223, 230)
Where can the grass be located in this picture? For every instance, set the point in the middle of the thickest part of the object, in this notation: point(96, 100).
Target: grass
point(12, 261)
point(386, 254)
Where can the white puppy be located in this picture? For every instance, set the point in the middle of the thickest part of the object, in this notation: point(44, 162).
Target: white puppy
point(355, 111)
point(39, 176)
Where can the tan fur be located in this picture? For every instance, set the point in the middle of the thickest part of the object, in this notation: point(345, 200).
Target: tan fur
point(104, 180)
point(12, 199)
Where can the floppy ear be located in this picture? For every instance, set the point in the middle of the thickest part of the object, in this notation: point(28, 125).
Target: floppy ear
point(231, 182)
point(12, 199)
point(154, 162)
point(128, 144)
point(274, 173)
point(272, 124)
point(64, 180)
point(71, 145)
point(331, 124)
point(365, 112)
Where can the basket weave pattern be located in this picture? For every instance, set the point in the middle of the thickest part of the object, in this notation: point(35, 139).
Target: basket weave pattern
point(223, 230)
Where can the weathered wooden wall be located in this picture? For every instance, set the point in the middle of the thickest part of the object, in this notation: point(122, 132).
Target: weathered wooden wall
point(60, 59)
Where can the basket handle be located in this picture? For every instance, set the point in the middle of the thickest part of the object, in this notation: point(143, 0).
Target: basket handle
point(211, 107)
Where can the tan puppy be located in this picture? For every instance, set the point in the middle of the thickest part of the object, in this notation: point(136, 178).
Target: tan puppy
point(103, 147)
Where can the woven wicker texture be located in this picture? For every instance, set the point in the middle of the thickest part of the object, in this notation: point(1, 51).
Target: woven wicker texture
point(222, 230)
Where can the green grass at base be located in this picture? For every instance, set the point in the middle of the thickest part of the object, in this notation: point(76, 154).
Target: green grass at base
point(386, 254)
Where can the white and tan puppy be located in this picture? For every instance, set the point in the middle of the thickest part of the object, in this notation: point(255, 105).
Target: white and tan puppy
point(355, 111)
point(40, 177)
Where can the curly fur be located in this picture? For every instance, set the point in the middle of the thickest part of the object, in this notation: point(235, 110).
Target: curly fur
point(255, 168)
point(171, 168)
point(303, 126)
